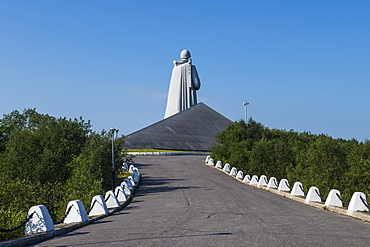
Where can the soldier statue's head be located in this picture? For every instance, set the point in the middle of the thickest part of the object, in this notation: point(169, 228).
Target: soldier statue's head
point(185, 54)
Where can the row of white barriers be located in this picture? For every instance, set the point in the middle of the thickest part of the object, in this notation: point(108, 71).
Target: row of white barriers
point(40, 220)
point(357, 203)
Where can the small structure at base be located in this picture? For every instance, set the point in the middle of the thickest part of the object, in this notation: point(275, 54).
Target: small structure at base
point(194, 129)
point(98, 206)
point(40, 220)
point(75, 212)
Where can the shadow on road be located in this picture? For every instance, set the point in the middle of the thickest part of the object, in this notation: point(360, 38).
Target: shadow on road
point(152, 185)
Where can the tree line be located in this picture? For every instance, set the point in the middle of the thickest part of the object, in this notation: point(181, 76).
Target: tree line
point(50, 161)
point(313, 160)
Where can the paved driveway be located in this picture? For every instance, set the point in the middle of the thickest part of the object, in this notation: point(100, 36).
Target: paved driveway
point(182, 202)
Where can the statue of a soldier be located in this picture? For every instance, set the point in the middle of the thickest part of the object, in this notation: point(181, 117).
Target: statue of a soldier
point(184, 83)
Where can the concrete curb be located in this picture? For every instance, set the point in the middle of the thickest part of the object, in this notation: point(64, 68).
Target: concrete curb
point(62, 229)
point(164, 153)
point(340, 210)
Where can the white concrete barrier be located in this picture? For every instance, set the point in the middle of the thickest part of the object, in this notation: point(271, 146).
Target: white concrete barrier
point(136, 175)
point(133, 183)
point(358, 203)
point(210, 162)
point(262, 181)
point(219, 164)
point(297, 189)
point(272, 183)
point(247, 179)
point(40, 220)
point(240, 175)
point(129, 183)
point(334, 199)
point(126, 189)
point(313, 195)
point(283, 185)
point(111, 200)
point(77, 212)
point(120, 194)
point(131, 168)
point(254, 180)
point(137, 170)
point(226, 168)
point(99, 207)
point(124, 167)
point(233, 172)
point(207, 158)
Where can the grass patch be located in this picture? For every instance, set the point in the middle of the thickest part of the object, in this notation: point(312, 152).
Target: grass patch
point(122, 175)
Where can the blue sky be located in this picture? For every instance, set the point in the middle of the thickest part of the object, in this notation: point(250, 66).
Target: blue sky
point(302, 65)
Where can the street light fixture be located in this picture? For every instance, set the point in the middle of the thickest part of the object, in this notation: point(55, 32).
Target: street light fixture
point(113, 130)
point(245, 104)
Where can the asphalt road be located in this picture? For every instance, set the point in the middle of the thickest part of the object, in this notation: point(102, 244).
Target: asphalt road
point(182, 202)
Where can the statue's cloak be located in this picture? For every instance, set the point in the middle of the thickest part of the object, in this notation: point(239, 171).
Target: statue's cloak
point(182, 92)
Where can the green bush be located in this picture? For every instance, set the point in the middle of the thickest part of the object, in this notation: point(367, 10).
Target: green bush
point(314, 160)
point(50, 161)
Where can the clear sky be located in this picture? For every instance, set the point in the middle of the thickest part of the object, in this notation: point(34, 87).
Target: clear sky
point(302, 65)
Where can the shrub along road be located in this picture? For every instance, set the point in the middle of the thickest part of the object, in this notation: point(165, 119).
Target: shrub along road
point(182, 202)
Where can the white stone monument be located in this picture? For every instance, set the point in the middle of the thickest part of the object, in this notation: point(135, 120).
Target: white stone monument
point(183, 86)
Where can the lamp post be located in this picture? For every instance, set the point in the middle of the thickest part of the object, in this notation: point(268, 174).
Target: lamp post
point(113, 130)
point(245, 104)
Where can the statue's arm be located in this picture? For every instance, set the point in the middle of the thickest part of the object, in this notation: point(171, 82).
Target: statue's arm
point(195, 78)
